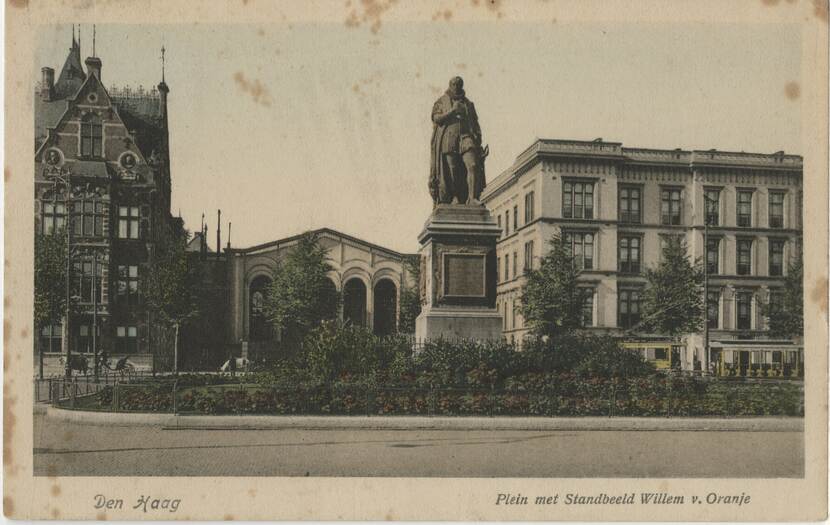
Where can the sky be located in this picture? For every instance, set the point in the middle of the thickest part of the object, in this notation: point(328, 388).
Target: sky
point(299, 126)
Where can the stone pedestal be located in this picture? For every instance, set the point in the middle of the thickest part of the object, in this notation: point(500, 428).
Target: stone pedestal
point(458, 275)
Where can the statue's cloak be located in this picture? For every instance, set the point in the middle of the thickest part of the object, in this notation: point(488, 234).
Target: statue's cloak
point(448, 136)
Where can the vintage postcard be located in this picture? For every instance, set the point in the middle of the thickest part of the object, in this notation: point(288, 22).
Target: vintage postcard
point(429, 260)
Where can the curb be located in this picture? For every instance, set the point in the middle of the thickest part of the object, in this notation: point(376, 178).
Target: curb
point(251, 422)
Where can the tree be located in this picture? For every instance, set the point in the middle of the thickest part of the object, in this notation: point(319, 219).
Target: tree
point(301, 295)
point(673, 298)
point(50, 278)
point(410, 297)
point(551, 300)
point(170, 285)
point(786, 316)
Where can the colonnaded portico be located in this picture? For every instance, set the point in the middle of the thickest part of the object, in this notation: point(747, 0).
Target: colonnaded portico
point(369, 277)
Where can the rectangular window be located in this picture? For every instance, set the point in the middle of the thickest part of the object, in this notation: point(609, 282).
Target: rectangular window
point(744, 310)
point(744, 265)
point(515, 264)
point(629, 254)
point(507, 223)
point(630, 204)
point(588, 307)
point(776, 209)
point(499, 219)
point(776, 257)
point(126, 339)
point(127, 286)
point(744, 209)
point(91, 136)
point(128, 221)
point(516, 217)
point(90, 221)
point(498, 268)
point(670, 206)
point(87, 276)
point(53, 216)
point(581, 246)
point(51, 338)
point(578, 200)
point(711, 198)
point(528, 256)
point(529, 209)
point(713, 256)
point(507, 267)
point(513, 314)
point(628, 308)
point(713, 309)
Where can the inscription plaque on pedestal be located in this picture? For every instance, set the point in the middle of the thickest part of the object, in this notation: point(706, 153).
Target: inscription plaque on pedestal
point(464, 275)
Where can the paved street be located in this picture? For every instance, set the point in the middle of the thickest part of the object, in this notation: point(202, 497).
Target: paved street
point(72, 449)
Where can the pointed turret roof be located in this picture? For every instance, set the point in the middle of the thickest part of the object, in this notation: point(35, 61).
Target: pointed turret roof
point(72, 75)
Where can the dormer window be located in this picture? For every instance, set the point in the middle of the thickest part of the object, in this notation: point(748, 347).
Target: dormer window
point(91, 136)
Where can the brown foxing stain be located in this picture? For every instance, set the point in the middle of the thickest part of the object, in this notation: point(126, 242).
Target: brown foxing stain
point(260, 32)
point(9, 422)
point(7, 175)
point(819, 294)
point(56, 513)
point(792, 90)
point(446, 14)
point(770, 2)
point(820, 10)
point(101, 516)
point(6, 301)
point(258, 92)
point(227, 517)
point(8, 507)
point(24, 333)
point(56, 490)
point(51, 471)
point(493, 5)
point(252, 493)
point(19, 3)
point(462, 66)
point(371, 13)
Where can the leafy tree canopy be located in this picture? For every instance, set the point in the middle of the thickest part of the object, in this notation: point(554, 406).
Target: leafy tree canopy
point(50, 277)
point(673, 298)
point(786, 317)
point(551, 300)
point(301, 294)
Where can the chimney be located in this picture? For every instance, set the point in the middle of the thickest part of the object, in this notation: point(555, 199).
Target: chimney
point(229, 236)
point(218, 233)
point(47, 84)
point(93, 66)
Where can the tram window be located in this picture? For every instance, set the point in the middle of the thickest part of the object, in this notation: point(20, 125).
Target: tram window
point(660, 354)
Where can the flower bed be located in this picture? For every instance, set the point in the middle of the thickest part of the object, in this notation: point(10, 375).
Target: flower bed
point(530, 395)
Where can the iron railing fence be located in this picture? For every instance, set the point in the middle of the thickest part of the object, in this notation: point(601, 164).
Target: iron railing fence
point(349, 399)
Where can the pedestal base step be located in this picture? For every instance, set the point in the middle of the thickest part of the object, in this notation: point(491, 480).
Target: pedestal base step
point(459, 323)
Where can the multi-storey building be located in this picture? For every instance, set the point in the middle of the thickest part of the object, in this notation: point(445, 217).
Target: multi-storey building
point(102, 171)
point(615, 206)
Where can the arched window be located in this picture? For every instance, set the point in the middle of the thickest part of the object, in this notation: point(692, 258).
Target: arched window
point(91, 136)
point(260, 328)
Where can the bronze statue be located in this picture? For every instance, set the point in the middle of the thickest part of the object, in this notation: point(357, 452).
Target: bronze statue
point(457, 161)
